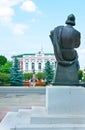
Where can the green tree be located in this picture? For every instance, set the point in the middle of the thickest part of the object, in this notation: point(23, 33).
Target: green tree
point(40, 75)
point(80, 74)
point(4, 79)
point(4, 71)
point(3, 60)
point(6, 68)
point(27, 76)
point(49, 72)
point(16, 77)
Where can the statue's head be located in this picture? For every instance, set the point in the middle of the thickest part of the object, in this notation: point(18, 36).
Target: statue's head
point(70, 20)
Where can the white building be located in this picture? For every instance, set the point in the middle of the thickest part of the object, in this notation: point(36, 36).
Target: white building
point(35, 62)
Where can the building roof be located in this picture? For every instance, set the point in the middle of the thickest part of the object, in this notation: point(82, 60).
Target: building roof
point(30, 54)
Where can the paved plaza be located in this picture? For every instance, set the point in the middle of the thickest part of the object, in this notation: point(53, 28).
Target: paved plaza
point(13, 102)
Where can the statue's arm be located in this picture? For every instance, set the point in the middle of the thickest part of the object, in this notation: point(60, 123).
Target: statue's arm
point(55, 38)
point(78, 40)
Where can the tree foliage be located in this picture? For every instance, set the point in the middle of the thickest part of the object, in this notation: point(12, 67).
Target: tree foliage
point(3, 60)
point(16, 77)
point(80, 74)
point(4, 71)
point(27, 76)
point(49, 72)
point(40, 75)
point(4, 79)
point(6, 68)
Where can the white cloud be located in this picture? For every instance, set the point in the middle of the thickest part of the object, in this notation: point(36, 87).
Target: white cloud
point(6, 7)
point(29, 6)
point(6, 14)
point(19, 28)
point(5, 20)
point(8, 3)
point(6, 11)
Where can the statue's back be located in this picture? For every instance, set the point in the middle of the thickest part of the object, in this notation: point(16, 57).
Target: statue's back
point(70, 39)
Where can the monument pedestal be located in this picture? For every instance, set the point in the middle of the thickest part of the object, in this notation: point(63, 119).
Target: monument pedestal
point(65, 100)
point(64, 110)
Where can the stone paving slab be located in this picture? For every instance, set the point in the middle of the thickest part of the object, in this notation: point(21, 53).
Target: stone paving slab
point(14, 102)
point(21, 121)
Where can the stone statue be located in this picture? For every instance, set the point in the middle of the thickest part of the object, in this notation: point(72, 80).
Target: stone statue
point(64, 40)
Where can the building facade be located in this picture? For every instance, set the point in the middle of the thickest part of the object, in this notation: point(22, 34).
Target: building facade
point(32, 62)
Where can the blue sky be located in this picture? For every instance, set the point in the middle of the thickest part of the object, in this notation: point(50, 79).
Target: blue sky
point(25, 25)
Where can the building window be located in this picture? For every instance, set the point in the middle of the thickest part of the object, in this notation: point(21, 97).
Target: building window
point(33, 66)
point(26, 66)
point(39, 66)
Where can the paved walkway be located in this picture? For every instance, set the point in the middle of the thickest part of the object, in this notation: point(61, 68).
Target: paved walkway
point(13, 102)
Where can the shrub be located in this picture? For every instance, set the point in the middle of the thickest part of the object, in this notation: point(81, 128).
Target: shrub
point(27, 76)
point(40, 75)
point(4, 78)
point(80, 74)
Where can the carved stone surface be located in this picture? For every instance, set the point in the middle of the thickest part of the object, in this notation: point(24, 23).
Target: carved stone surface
point(65, 39)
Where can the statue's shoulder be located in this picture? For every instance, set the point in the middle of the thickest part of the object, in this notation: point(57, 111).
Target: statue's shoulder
point(58, 27)
point(56, 30)
point(77, 32)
